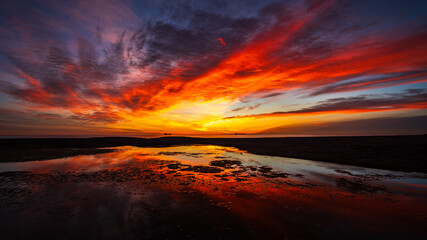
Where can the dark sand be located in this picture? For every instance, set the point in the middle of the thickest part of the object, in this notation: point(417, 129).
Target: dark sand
point(401, 153)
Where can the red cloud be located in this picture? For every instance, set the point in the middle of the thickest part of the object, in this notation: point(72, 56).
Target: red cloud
point(221, 41)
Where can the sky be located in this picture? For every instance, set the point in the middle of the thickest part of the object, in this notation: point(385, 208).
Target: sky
point(204, 68)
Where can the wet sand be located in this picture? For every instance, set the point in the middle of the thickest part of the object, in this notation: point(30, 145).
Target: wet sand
point(207, 192)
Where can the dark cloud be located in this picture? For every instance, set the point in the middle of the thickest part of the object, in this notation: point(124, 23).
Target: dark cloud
point(95, 117)
point(272, 95)
point(32, 123)
point(101, 117)
point(408, 99)
point(43, 125)
point(374, 126)
point(195, 45)
point(374, 81)
point(247, 108)
point(247, 72)
point(394, 100)
point(238, 109)
point(48, 116)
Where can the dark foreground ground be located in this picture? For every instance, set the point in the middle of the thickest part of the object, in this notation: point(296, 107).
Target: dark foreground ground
point(206, 191)
point(401, 153)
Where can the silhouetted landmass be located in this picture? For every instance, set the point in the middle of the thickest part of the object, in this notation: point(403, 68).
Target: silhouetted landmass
point(402, 153)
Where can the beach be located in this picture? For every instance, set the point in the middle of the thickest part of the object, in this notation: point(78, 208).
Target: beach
point(204, 191)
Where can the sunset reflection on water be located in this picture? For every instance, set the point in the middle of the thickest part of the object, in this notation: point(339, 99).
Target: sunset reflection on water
point(271, 196)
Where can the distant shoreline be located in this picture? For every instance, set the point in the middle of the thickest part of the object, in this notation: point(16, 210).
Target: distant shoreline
point(400, 153)
point(231, 135)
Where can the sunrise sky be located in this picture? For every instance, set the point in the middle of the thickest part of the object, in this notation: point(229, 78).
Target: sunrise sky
point(142, 68)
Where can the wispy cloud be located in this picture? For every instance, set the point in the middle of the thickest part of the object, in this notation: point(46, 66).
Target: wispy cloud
point(372, 126)
point(411, 99)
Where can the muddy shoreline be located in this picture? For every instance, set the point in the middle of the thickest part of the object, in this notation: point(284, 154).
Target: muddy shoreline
point(206, 192)
point(400, 153)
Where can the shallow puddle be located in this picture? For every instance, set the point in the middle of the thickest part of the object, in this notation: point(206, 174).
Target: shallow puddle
point(207, 192)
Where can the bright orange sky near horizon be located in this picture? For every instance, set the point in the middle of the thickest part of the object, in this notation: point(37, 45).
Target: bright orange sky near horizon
point(211, 68)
